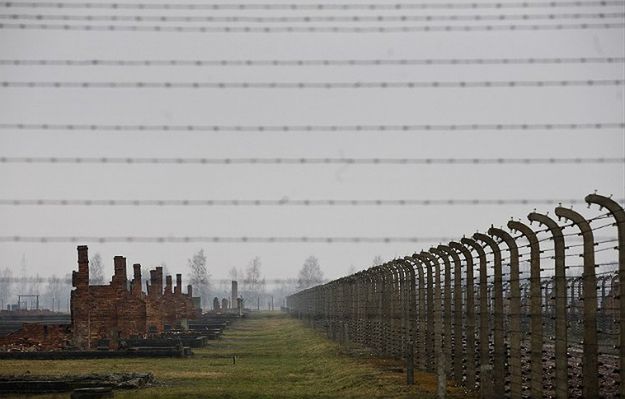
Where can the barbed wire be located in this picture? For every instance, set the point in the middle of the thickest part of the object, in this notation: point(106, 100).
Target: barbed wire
point(314, 128)
point(311, 29)
point(310, 19)
point(301, 6)
point(286, 202)
point(309, 161)
point(219, 239)
point(227, 240)
point(314, 85)
point(316, 62)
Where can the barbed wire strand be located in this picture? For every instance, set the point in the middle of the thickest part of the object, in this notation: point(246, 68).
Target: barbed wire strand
point(301, 6)
point(308, 161)
point(315, 128)
point(218, 239)
point(314, 62)
point(314, 85)
point(311, 29)
point(224, 239)
point(285, 202)
point(311, 19)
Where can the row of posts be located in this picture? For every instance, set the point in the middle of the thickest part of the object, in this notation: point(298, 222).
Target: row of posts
point(486, 333)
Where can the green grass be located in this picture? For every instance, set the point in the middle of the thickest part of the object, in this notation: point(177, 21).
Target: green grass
point(276, 357)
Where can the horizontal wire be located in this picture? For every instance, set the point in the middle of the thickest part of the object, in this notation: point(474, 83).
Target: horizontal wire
point(220, 239)
point(314, 85)
point(280, 202)
point(313, 128)
point(316, 62)
point(310, 161)
point(301, 6)
point(309, 19)
point(311, 29)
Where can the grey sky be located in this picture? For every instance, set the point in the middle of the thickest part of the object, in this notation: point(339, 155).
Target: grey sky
point(285, 107)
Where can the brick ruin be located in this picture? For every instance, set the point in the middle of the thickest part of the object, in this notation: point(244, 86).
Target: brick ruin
point(121, 309)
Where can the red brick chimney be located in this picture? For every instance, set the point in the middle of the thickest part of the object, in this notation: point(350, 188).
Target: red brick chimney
point(136, 281)
point(168, 285)
point(178, 288)
point(119, 278)
point(80, 279)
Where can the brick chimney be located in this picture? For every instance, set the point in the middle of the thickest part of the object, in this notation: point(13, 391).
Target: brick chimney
point(80, 279)
point(168, 285)
point(119, 278)
point(178, 288)
point(136, 281)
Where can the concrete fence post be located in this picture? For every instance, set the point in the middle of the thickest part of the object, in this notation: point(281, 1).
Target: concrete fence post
point(590, 364)
point(536, 324)
point(447, 332)
point(441, 369)
point(516, 372)
point(499, 362)
point(561, 343)
point(618, 214)
point(486, 382)
point(470, 314)
point(457, 313)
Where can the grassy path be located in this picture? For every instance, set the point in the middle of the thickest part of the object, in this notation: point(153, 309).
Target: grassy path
point(276, 357)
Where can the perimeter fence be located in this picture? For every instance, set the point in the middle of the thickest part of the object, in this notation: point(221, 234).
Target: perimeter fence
point(505, 314)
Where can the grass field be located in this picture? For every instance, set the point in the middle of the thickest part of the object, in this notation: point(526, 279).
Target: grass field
point(276, 357)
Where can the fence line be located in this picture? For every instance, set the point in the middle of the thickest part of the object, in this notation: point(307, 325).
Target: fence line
point(504, 332)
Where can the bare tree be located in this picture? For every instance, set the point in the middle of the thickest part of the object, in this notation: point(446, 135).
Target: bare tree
point(310, 274)
point(233, 274)
point(165, 269)
point(253, 284)
point(377, 260)
point(54, 292)
point(96, 270)
point(6, 286)
point(200, 278)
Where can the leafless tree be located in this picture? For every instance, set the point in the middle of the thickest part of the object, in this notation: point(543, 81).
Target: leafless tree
point(6, 286)
point(310, 274)
point(233, 274)
point(54, 292)
point(377, 260)
point(253, 284)
point(96, 270)
point(200, 278)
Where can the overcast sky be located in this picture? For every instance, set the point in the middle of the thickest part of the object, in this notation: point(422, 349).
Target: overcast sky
point(296, 107)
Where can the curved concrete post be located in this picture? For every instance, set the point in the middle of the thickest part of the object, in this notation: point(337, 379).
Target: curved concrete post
point(388, 308)
point(516, 377)
point(618, 213)
point(470, 312)
point(429, 303)
point(399, 321)
point(457, 314)
point(446, 319)
point(561, 343)
point(411, 302)
point(499, 350)
point(441, 369)
point(421, 315)
point(486, 382)
point(590, 367)
point(536, 325)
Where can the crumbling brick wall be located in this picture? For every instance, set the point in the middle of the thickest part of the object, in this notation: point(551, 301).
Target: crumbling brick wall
point(35, 336)
point(121, 309)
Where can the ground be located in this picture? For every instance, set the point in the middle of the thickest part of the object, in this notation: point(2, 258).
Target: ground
point(276, 357)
